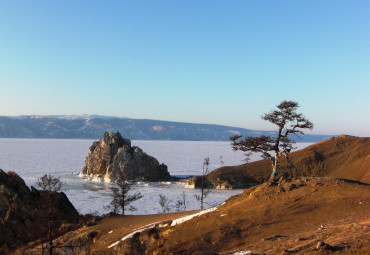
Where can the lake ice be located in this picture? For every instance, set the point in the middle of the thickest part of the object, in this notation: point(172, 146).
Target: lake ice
point(32, 158)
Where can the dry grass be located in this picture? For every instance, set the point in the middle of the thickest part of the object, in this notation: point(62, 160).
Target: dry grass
point(341, 157)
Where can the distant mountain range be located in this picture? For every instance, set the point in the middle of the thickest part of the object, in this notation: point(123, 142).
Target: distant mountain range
point(93, 127)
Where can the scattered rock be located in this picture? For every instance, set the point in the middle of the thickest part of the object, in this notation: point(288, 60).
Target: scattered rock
point(324, 246)
point(320, 246)
point(273, 237)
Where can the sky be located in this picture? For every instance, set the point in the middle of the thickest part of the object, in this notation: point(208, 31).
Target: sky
point(222, 62)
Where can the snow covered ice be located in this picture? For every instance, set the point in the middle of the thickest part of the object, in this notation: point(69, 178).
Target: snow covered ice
point(93, 197)
point(32, 158)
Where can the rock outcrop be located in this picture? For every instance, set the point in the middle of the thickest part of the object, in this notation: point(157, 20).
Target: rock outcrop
point(113, 155)
point(24, 212)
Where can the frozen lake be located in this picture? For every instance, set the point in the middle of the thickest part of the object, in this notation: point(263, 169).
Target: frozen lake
point(32, 158)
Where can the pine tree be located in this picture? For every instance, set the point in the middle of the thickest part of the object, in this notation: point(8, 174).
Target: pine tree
point(121, 199)
point(288, 122)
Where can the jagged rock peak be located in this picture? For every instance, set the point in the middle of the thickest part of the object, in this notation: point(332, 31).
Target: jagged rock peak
point(113, 154)
point(110, 138)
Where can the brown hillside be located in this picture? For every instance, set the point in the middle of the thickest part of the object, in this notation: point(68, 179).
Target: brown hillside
point(341, 157)
point(291, 217)
point(97, 236)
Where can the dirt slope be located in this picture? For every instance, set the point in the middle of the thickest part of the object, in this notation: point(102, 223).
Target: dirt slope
point(290, 217)
point(96, 238)
point(287, 218)
point(341, 157)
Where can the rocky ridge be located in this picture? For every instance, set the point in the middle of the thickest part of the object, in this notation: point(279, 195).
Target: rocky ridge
point(114, 155)
point(24, 212)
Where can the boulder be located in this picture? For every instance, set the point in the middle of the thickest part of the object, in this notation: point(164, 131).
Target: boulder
point(113, 155)
point(24, 212)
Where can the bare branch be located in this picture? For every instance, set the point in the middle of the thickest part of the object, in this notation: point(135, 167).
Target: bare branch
point(121, 200)
point(288, 122)
point(50, 183)
point(164, 203)
point(257, 144)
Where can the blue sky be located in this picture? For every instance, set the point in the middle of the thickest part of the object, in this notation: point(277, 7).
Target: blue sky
point(219, 62)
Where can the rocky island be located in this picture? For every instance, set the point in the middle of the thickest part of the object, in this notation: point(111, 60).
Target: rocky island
point(113, 155)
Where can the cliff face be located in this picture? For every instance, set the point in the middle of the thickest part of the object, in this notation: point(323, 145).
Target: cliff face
point(24, 212)
point(112, 155)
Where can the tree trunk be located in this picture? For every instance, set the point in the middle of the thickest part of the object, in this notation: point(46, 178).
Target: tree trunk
point(123, 197)
point(50, 224)
point(275, 167)
point(201, 199)
point(123, 204)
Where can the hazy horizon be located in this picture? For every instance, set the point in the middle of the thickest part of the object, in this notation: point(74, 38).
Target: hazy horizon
point(125, 117)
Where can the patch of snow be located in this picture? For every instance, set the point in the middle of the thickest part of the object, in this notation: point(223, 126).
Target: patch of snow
point(158, 128)
point(235, 132)
point(168, 183)
point(186, 185)
point(152, 225)
point(95, 179)
point(139, 230)
point(189, 217)
point(222, 215)
point(110, 232)
point(245, 252)
point(113, 244)
point(37, 117)
point(132, 234)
